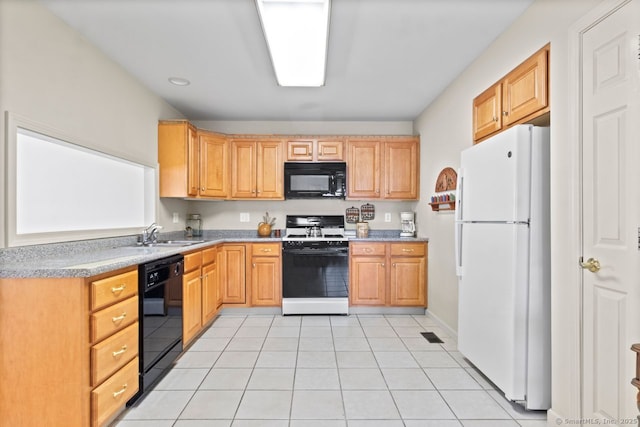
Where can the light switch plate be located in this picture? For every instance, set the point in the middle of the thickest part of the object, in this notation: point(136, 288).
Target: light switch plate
point(387, 217)
point(244, 217)
point(176, 218)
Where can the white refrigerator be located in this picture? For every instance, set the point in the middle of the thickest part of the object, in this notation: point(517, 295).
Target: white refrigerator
point(503, 262)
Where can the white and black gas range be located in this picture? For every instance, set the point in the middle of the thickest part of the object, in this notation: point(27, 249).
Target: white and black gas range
point(315, 265)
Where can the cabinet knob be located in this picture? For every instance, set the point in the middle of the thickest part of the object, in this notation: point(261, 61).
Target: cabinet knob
point(504, 113)
point(382, 264)
point(202, 189)
point(495, 118)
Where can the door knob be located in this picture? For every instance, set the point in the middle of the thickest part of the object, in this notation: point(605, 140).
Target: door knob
point(592, 264)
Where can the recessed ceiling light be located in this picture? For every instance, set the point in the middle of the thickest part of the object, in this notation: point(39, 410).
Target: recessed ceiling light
point(297, 33)
point(179, 81)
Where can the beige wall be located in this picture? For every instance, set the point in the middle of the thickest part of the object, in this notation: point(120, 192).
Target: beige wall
point(445, 129)
point(51, 75)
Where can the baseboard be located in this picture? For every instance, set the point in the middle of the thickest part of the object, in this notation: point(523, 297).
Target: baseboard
point(555, 419)
point(452, 333)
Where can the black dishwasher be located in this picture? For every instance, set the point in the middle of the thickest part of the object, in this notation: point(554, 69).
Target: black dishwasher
point(160, 319)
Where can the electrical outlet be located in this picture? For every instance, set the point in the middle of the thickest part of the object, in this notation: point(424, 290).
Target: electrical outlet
point(176, 218)
point(244, 217)
point(387, 217)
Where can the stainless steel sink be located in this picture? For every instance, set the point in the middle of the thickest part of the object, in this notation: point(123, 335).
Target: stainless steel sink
point(178, 243)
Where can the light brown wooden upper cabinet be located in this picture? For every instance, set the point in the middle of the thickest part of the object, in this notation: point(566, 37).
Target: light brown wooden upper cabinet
point(214, 165)
point(315, 149)
point(520, 96)
point(192, 163)
point(383, 168)
point(179, 159)
point(257, 169)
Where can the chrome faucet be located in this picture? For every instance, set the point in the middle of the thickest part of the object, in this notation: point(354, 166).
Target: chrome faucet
point(150, 234)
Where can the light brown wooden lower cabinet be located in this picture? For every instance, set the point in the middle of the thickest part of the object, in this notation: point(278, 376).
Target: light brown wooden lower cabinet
point(388, 274)
point(200, 291)
point(266, 274)
point(50, 330)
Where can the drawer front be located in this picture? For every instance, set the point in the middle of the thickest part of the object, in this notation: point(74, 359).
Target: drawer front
point(209, 255)
point(114, 393)
point(112, 319)
point(192, 261)
point(111, 354)
point(408, 249)
point(266, 249)
point(113, 289)
point(377, 249)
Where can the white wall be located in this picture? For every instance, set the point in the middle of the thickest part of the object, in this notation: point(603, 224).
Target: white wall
point(445, 129)
point(51, 75)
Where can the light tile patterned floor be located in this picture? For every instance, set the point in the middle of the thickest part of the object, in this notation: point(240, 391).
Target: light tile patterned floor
point(325, 371)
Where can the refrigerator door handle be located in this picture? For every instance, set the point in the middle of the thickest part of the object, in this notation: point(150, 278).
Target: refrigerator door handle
point(458, 249)
point(459, 194)
point(458, 222)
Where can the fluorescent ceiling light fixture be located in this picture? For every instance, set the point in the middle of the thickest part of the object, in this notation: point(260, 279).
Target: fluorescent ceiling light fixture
point(297, 33)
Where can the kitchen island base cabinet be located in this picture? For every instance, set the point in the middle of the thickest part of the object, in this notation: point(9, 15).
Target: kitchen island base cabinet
point(388, 274)
point(46, 342)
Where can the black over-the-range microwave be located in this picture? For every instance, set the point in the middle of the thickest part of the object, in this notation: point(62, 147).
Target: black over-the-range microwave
point(324, 180)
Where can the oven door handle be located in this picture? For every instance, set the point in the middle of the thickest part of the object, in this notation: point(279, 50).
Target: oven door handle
point(318, 252)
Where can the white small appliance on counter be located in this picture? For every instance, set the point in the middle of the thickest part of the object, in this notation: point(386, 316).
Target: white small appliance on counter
point(408, 223)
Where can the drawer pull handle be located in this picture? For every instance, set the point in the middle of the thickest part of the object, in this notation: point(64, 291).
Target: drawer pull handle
point(119, 352)
point(407, 250)
point(118, 289)
point(368, 250)
point(266, 250)
point(119, 318)
point(119, 392)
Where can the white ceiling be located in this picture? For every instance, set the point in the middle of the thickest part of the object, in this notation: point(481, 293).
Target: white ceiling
point(387, 59)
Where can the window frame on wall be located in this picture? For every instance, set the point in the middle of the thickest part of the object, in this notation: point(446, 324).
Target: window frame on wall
point(72, 210)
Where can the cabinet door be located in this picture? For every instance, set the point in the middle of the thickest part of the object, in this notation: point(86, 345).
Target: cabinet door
point(330, 150)
point(191, 305)
point(300, 150)
point(266, 281)
point(525, 89)
point(214, 165)
point(209, 292)
point(487, 112)
point(401, 170)
point(219, 291)
point(367, 281)
point(270, 170)
point(178, 159)
point(243, 169)
point(233, 274)
point(407, 285)
point(363, 179)
point(193, 161)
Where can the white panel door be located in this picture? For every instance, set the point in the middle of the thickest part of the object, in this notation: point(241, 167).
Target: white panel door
point(611, 132)
point(492, 310)
point(495, 181)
